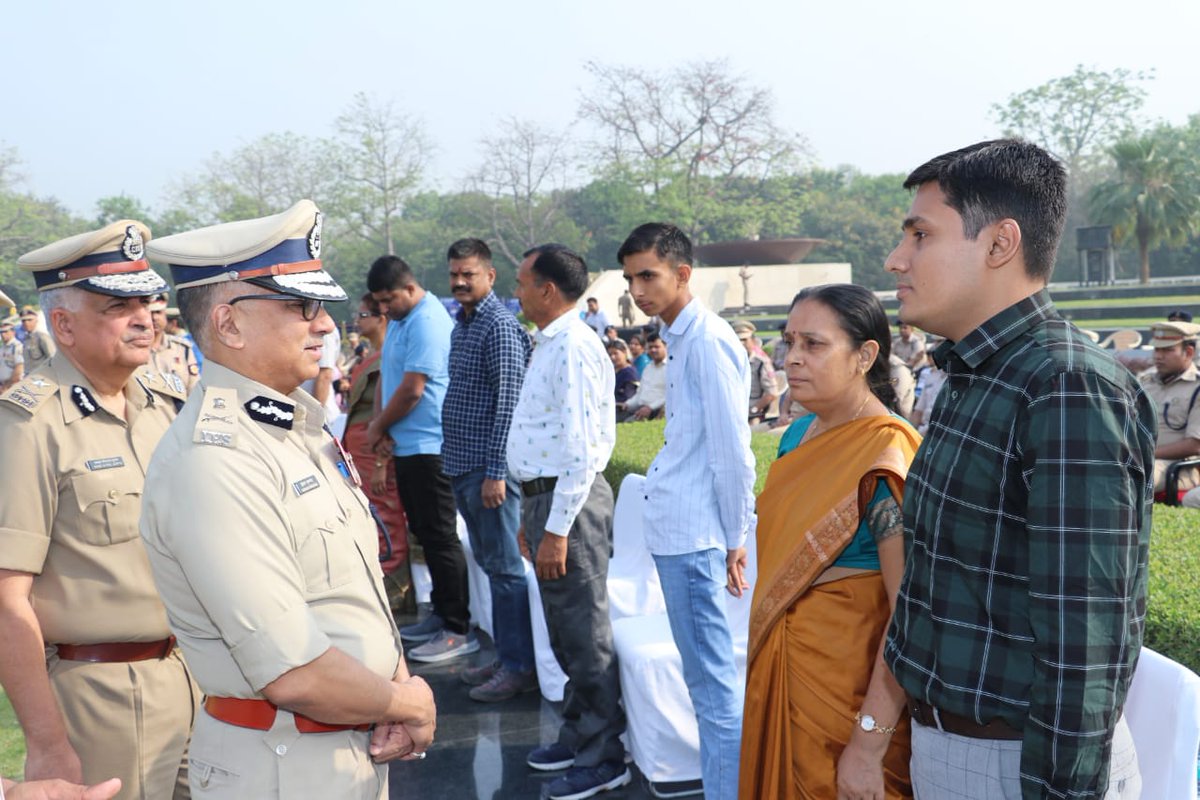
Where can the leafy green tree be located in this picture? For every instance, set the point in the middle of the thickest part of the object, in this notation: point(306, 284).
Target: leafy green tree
point(121, 206)
point(1155, 195)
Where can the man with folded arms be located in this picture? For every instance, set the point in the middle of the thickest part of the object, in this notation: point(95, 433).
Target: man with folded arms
point(261, 542)
point(87, 658)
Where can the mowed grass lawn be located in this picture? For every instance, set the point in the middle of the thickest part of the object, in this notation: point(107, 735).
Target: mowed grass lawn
point(12, 743)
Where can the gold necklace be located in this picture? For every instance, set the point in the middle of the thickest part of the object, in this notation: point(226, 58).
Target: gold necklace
point(812, 429)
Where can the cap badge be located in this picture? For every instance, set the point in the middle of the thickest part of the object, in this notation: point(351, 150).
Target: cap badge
point(133, 247)
point(314, 236)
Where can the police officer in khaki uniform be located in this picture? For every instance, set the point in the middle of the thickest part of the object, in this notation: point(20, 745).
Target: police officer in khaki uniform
point(262, 543)
point(171, 355)
point(38, 344)
point(86, 657)
point(12, 358)
point(1174, 387)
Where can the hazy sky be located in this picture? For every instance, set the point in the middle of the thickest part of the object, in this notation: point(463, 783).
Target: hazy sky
point(124, 96)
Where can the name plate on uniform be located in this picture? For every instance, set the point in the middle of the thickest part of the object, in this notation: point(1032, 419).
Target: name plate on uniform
point(306, 485)
point(105, 463)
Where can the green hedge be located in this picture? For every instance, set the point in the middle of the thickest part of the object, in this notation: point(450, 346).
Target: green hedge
point(1173, 613)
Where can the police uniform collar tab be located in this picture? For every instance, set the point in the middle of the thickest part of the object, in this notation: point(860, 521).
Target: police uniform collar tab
point(281, 252)
point(110, 260)
point(270, 411)
point(84, 401)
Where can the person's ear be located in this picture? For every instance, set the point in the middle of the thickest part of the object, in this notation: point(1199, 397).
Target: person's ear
point(867, 355)
point(223, 321)
point(1004, 243)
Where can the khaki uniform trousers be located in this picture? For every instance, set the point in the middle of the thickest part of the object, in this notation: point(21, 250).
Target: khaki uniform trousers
point(233, 763)
point(129, 721)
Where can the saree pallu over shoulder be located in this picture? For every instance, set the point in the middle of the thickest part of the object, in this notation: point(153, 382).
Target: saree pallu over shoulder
point(812, 504)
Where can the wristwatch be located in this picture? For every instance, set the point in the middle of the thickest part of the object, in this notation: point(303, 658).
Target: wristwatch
point(868, 724)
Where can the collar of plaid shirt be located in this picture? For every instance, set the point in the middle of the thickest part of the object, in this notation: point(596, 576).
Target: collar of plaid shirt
point(1027, 522)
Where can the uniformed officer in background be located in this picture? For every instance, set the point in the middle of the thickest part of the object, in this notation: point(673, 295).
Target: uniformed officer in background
point(169, 353)
point(38, 344)
point(87, 659)
point(262, 544)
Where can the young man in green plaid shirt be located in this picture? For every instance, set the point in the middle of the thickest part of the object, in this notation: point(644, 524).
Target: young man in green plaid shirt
point(1027, 510)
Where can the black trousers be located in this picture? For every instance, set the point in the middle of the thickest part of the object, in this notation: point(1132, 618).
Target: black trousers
point(428, 502)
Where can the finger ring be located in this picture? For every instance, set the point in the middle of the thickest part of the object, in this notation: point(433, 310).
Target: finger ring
point(419, 755)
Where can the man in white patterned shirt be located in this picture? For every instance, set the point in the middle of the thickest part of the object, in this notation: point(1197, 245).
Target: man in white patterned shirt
point(700, 488)
point(559, 443)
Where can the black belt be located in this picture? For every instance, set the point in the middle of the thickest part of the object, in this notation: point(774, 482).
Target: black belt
point(932, 717)
point(538, 486)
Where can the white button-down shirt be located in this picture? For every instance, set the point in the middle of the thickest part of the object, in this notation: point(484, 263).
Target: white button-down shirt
point(652, 389)
point(700, 490)
point(564, 424)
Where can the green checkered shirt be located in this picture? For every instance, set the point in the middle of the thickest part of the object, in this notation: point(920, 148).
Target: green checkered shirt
point(1027, 530)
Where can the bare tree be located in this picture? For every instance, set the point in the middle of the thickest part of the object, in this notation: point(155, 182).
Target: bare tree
point(524, 174)
point(383, 155)
point(696, 120)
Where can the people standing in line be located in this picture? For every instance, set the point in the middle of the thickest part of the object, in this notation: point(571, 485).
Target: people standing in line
point(378, 472)
point(262, 544)
point(171, 355)
point(38, 344)
point(89, 663)
point(824, 716)
point(1027, 510)
point(699, 489)
point(488, 353)
point(562, 436)
point(595, 319)
point(408, 427)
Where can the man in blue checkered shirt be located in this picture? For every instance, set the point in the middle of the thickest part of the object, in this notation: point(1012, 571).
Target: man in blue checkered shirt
point(488, 353)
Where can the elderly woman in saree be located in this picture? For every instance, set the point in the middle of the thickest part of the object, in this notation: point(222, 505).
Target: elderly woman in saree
point(824, 718)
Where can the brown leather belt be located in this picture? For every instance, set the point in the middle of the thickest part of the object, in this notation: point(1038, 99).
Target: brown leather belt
point(932, 717)
point(538, 486)
point(116, 652)
point(260, 715)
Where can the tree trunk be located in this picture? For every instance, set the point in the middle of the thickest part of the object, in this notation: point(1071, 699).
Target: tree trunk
point(1144, 252)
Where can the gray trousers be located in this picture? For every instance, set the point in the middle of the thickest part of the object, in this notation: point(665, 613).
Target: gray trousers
point(576, 608)
point(946, 766)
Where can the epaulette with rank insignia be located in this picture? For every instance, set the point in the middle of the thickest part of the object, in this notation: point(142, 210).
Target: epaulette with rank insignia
point(32, 392)
point(162, 382)
point(217, 422)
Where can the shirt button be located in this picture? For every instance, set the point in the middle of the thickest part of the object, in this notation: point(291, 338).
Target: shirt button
point(113, 494)
point(281, 750)
point(954, 395)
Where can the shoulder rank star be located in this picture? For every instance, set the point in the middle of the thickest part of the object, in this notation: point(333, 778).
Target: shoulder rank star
point(271, 412)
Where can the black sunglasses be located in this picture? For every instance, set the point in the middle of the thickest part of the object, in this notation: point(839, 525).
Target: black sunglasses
point(309, 308)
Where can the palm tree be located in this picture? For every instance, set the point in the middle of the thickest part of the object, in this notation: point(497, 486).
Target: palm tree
point(1155, 194)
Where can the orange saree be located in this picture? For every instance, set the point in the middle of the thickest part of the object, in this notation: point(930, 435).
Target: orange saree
point(812, 648)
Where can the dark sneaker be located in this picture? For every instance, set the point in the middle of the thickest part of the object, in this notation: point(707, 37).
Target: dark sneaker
point(424, 630)
point(478, 676)
point(583, 782)
point(505, 684)
point(445, 645)
point(551, 757)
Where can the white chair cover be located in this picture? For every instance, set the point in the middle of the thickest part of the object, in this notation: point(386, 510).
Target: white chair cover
point(663, 736)
point(1163, 712)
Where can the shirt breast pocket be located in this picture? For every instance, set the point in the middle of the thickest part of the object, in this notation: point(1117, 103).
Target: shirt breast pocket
point(109, 504)
point(325, 548)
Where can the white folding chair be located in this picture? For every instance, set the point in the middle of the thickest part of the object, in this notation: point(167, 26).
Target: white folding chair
point(1163, 712)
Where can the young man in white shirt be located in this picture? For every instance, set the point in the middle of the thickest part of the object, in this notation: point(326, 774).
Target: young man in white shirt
point(699, 490)
point(562, 434)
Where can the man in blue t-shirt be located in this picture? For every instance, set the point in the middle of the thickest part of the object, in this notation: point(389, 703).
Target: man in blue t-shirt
point(415, 371)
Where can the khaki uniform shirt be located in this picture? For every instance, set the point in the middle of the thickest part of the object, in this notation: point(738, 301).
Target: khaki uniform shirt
point(11, 354)
point(176, 357)
point(1176, 422)
point(263, 547)
point(38, 349)
point(69, 508)
point(907, 351)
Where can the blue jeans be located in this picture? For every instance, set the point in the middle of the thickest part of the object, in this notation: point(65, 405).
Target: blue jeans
point(694, 587)
point(493, 535)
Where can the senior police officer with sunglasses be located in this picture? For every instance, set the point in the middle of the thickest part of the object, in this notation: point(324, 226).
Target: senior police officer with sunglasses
point(86, 655)
point(261, 541)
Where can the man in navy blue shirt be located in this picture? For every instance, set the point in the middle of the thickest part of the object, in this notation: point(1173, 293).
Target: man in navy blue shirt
point(415, 372)
point(488, 353)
